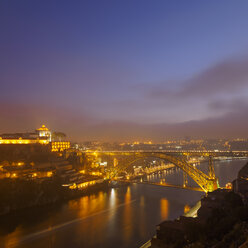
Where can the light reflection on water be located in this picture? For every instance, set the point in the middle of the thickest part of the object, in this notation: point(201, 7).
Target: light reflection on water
point(127, 216)
point(164, 208)
point(122, 217)
point(112, 198)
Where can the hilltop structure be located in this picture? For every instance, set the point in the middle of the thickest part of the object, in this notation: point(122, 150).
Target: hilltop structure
point(42, 136)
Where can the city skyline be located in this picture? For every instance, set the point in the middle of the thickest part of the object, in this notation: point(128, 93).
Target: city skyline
point(124, 71)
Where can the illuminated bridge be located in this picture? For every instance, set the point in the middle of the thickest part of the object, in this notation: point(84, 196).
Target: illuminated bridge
point(207, 182)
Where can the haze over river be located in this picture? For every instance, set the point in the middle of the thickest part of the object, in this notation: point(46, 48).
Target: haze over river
point(121, 217)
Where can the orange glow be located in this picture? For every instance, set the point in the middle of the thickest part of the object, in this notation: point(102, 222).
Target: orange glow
point(43, 128)
point(74, 186)
point(84, 205)
point(128, 195)
point(14, 175)
point(96, 173)
point(148, 142)
point(128, 216)
point(229, 185)
point(82, 185)
point(49, 173)
point(164, 207)
point(186, 208)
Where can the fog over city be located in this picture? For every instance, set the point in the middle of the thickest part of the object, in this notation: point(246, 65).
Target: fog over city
point(122, 72)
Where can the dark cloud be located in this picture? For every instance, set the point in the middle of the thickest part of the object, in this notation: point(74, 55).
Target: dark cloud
point(230, 105)
point(226, 77)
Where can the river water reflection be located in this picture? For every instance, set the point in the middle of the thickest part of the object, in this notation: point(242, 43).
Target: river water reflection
point(121, 217)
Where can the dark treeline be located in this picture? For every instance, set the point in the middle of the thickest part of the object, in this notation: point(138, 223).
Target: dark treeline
point(17, 194)
point(28, 153)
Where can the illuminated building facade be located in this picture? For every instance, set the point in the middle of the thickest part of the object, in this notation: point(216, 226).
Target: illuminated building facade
point(42, 136)
point(44, 132)
point(60, 146)
point(21, 141)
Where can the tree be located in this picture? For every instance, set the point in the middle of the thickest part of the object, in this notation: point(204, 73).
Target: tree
point(58, 136)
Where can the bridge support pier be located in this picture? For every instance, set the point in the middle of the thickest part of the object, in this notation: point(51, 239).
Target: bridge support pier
point(211, 172)
point(185, 179)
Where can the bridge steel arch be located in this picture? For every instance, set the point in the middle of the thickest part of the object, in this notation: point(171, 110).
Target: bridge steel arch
point(207, 183)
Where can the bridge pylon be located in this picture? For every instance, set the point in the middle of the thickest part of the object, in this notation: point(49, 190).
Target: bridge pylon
point(211, 172)
point(185, 179)
point(115, 162)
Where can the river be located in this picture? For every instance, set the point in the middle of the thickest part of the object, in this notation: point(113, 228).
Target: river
point(122, 217)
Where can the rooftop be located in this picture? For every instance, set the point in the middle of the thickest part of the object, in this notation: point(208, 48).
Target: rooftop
point(43, 128)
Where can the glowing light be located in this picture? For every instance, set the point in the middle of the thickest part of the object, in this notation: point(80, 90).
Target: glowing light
point(49, 173)
point(96, 173)
point(186, 208)
point(112, 198)
point(43, 128)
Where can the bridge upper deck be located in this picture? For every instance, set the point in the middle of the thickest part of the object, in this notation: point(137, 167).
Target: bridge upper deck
point(204, 153)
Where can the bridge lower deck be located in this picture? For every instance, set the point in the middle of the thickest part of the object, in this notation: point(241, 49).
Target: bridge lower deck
point(172, 186)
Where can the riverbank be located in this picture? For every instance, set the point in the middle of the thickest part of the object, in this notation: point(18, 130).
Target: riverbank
point(20, 195)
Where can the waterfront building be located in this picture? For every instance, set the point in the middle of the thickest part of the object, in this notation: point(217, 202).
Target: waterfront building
point(27, 172)
point(74, 179)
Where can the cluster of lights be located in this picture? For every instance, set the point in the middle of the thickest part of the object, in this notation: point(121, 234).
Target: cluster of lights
point(86, 184)
point(60, 146)
point(80, 185)
point(96, 173)
point(34, 175)
point(23, 141)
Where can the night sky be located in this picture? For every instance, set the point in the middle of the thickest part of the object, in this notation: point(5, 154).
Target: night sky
point(125, 69)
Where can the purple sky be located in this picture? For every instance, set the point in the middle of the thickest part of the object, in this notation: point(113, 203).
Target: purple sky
point(122, 70)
